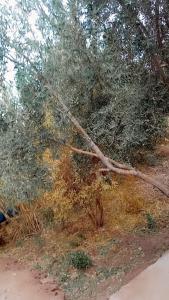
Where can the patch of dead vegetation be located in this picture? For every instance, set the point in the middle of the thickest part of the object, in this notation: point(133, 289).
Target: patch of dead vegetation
point(119, 249)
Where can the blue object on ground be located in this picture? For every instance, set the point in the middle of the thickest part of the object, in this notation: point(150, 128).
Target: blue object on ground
point(2, 217)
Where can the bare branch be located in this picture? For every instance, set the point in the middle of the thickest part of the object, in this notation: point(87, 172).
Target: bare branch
point(115, 163)
point(127, 172)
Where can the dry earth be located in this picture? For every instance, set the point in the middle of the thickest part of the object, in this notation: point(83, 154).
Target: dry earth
point(19, 283)
point(151, 284)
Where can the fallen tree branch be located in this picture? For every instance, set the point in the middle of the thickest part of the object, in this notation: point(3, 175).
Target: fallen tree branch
point(122, 169)
point(110, 164)
point(92, 154)
point(105, 160)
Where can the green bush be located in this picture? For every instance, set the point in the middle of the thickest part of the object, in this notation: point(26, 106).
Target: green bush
point(80, 260)
point(151, 223)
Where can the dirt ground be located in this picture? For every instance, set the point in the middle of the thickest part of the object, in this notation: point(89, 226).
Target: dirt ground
point(151, 284)
point(18, 283)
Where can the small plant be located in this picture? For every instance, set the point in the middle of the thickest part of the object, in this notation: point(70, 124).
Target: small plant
point(39, 241)
point(77, 240)
point(80, 260)
point(64, 277)
point(151, 223)
point(37, 266)
point(81, 236)
point(75, 243)
point(48, 216)
point(103, 273)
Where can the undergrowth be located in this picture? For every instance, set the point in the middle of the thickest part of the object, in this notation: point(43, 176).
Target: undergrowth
point(76, 205)
point(78, 220)
point(151, 223)
point(80, 260)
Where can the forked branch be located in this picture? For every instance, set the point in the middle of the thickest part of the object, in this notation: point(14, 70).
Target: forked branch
point(126, 170)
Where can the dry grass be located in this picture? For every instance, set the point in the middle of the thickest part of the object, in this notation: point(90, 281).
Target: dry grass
point(26, 224)
point(70, 201)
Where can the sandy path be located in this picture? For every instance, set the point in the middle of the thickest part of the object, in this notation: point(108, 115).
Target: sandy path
point(151, 284)
point(19, 283)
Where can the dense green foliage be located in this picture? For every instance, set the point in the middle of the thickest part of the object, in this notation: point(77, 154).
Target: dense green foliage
point(109, 63)
point(80, 260)
point(23, 175)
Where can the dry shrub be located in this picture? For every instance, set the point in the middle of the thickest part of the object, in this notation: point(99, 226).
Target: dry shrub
point(3, 235)
point(26, 224)
point(90, 200)
point(61, 198)
point(74, 194)
point(125, 206)
point(61, 205)
point(72, 197)
point(2, 240)
point(47, 216)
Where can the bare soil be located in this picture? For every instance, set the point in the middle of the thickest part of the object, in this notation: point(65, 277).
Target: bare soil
point(151, 284)
point(18, 283)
